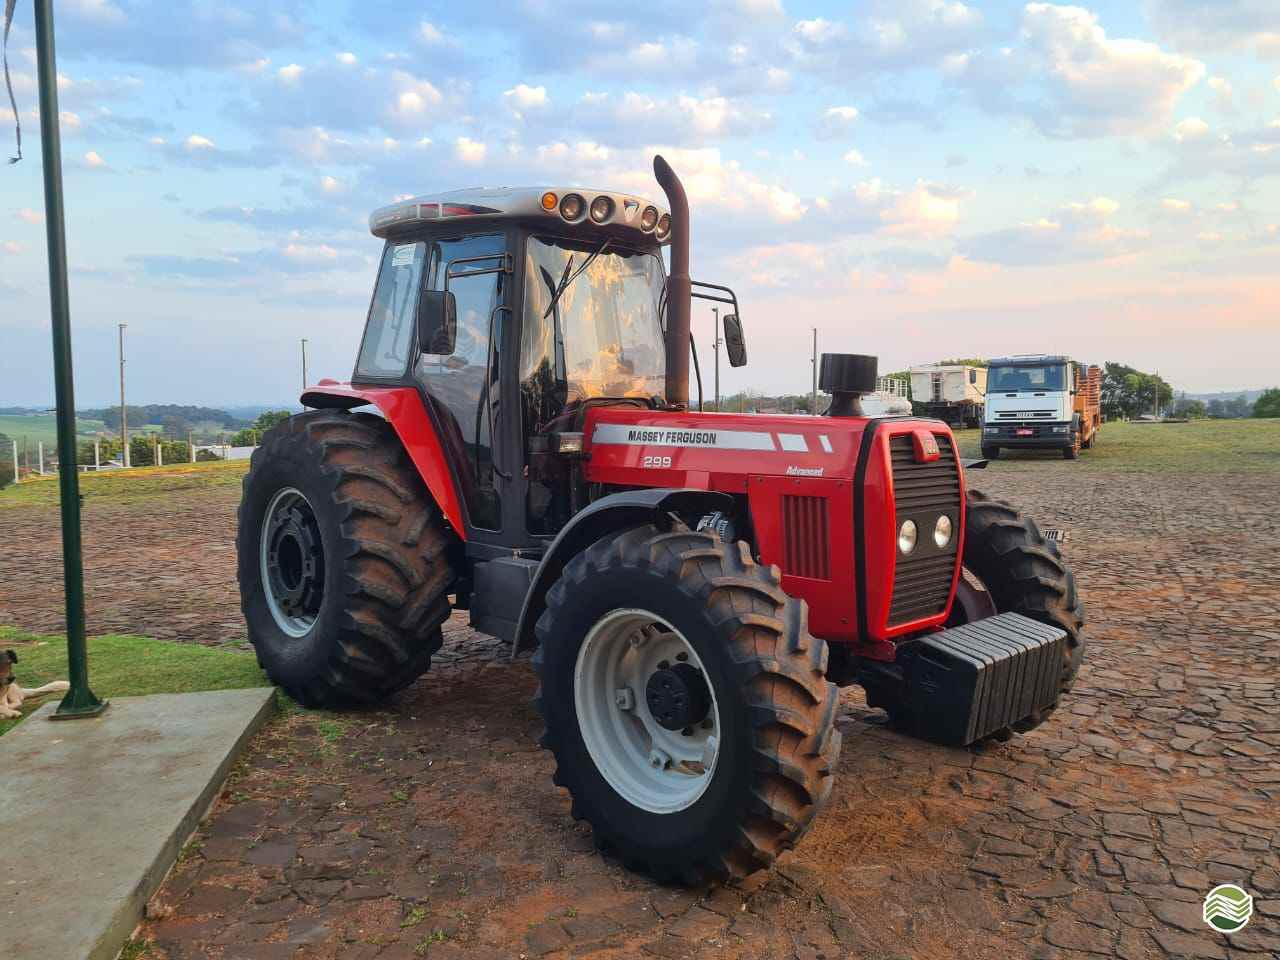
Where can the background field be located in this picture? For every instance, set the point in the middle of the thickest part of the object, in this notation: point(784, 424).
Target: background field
point(42, 427)
point(1201, 446)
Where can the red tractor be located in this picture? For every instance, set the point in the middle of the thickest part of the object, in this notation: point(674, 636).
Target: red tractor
point(697, 585)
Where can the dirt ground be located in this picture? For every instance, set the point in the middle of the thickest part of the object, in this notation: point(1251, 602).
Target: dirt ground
point(431, 828)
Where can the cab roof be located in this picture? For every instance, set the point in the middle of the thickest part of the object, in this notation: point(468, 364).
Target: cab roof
point(1028, 360)
point(576, 206)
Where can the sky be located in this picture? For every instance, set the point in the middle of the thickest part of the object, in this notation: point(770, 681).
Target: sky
point(917, 179)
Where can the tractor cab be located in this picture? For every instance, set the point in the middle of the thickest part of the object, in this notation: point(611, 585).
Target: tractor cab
point(513, 311)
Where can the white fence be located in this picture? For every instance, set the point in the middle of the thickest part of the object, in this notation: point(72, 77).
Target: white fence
point(226, 451)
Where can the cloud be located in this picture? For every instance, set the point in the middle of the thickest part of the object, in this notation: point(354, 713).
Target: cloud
point(93, 161)
point(1224, 94)
point(198, 150)
point(1104, 85)
point(1192, 128)
point(1174, 205)
point(470, 152)
point(636, 118)
point(855, 158)
point(836, 122)
point(523, 99)
point(1075, 233)
point(1070, 79)
point(888, 35)
point(27, 215)
point(1222, 25)
point(289, 74)
point(96, 11)
point(178, 34)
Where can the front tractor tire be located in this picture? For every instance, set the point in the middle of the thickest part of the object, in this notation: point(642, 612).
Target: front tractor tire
point(686, 704)
point(342, 560)
point(1020, 572)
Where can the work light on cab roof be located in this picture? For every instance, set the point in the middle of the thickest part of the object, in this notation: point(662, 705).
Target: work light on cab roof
point(604, 209)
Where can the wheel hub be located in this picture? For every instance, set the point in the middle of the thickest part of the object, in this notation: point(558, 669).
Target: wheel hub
point(292, 562)
point(646, 711)
point(678, 696)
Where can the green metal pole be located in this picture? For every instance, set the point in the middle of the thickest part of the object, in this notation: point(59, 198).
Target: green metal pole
point(79, 701)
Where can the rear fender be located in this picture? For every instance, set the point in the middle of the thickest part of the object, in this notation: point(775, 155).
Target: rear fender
point(403, 408)
point(619, 511)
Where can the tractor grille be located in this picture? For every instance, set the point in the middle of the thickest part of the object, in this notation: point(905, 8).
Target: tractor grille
point(806, 546)
point(922, 492)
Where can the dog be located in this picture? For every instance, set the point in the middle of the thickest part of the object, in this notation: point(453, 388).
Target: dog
point(11, 692)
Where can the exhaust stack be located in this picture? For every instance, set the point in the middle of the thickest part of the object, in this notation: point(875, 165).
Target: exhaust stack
point(679, 290)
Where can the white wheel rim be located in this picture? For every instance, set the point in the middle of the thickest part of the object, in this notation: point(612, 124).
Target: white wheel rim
point(293, 624)
point(651, 767)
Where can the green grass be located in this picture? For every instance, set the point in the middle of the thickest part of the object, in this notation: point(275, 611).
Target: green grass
point(42, 426)
point(128, 486)
point(125, 666)
point(1201, 446)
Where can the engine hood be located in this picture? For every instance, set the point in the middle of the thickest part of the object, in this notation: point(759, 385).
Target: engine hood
point(701, 446)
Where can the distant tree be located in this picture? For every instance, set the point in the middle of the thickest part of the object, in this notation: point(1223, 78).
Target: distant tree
point(1239, 407)
point(269, 419)
point(6, 461)
point(1230, 409)
point(203, 455)
point(1268, 405)
point(141, 451)
point(175, 427)
point(1188, 408)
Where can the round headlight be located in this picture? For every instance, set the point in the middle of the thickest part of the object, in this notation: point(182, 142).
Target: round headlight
point(601, 209)
point(664, 227)
point(942, 531)
point(572, 207)
point(648, 219)
point(907, 536)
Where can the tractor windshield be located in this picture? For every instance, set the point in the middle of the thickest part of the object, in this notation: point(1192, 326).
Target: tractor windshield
point(601, 336)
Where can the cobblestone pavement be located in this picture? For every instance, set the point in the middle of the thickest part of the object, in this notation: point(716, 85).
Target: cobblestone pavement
point(431, 828)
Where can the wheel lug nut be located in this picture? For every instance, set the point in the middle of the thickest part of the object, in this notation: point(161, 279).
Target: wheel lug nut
point(659, 760)
point(624, 699)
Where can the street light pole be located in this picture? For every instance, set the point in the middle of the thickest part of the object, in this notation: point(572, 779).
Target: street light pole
point(813, 405)
point(124, 415)
point(304, 363)
point(80, 700)
point(716, 347)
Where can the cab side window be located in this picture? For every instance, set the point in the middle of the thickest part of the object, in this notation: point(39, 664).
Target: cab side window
point(389, 332)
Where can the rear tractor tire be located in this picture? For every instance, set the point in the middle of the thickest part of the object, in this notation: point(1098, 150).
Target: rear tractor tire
point(343, 560)
point(1024, 573)
point(990, 453)
point(686, 704)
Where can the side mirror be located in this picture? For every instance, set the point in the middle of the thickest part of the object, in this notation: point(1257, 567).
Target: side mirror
point(735, 345)
point(437, 322)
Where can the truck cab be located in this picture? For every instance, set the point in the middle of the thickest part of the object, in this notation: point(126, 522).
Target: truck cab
point(1042, 402)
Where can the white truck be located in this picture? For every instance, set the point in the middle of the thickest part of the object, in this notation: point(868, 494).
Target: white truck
point(950, 392)
point(1041, 401)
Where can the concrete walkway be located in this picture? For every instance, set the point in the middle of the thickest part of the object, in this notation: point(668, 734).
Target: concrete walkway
point(94, 812)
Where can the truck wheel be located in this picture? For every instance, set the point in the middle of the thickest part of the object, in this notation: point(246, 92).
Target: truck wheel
point(990, 453)
point(686, 704)
point(1073, 451)
point(342, 560)
point(1021, 572)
